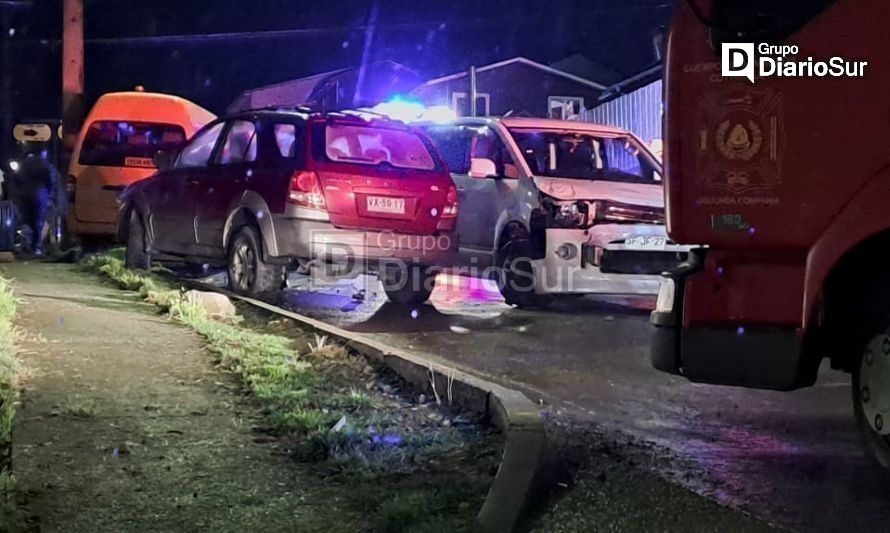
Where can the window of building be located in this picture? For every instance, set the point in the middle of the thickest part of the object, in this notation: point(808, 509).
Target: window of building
point(460, 102)
point(564, 107)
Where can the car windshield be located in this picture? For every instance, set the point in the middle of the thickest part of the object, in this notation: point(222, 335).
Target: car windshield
point(117, 143)
point(368, 145)
point(586, 156)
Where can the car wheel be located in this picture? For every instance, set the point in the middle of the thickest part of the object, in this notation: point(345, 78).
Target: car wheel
point(136, 256)
point(871, 397)
point(248, 273)
point(411, 285)
point(516, 279)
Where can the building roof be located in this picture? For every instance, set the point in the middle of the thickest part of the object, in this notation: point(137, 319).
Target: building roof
point(641, 79)
point(523, 61)
point(584, 67)
point(298, 91)
point(379, 76)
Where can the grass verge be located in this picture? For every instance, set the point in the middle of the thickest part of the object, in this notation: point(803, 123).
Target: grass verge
point(329, 407)
point(9, 390)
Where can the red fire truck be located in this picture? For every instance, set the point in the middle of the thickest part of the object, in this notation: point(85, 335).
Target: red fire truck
point(785, 184)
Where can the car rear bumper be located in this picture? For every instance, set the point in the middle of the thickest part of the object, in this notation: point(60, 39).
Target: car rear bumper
point(79, 227)
point(315, 239)
point(738, 355)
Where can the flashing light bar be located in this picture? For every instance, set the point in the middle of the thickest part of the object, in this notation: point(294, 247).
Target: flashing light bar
point(412, 111)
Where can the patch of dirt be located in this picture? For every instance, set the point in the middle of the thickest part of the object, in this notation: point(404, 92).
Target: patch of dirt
point(603, 482)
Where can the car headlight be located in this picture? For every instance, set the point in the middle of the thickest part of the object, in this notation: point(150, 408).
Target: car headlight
point(569, 214)
point(666, 293)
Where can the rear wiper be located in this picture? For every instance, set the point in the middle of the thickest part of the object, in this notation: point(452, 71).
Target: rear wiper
point(385, 165)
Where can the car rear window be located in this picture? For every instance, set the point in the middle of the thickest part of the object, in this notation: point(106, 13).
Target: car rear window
point(375, 146)
point(115, 143)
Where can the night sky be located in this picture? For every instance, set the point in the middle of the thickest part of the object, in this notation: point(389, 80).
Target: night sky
point(433, 37)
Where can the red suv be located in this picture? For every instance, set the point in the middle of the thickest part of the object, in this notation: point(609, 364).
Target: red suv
point(269, 190)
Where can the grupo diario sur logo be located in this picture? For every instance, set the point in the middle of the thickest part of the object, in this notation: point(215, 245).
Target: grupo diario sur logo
point(752, 61)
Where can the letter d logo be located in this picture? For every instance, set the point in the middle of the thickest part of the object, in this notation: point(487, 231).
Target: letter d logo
point(738, 60)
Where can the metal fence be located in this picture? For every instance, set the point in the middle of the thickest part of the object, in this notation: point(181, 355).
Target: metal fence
point(639, 111)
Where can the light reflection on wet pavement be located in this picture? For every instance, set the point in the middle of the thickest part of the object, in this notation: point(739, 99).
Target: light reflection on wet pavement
point(792, 459)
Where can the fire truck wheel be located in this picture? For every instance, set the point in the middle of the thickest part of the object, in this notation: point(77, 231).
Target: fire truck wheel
point(871, 397)
point(136, 256)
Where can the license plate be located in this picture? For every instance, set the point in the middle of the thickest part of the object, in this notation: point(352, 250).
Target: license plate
point(380, 204)
point(141, 162)
point(645, 242)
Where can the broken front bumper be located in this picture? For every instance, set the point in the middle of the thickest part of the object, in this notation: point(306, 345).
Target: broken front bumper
point(597, 260)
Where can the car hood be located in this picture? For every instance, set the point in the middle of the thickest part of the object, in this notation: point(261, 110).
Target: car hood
point(641, 194)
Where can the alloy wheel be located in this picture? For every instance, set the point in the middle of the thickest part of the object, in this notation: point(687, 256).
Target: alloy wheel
point(244, 266)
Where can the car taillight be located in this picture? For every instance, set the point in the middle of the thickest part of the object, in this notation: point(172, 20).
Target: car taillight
point(450, 210)
point(305, 190)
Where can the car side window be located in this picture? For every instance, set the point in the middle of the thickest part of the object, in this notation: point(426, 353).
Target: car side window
point(240, 145)
point(286, 140)
point(487, 144)
point(197, 153)
point(283, 142)
point(453, 143)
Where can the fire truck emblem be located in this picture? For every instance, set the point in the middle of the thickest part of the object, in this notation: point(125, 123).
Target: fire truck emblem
point(740, 141)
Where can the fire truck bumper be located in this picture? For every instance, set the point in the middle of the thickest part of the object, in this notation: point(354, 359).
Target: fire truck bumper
point(760, 358)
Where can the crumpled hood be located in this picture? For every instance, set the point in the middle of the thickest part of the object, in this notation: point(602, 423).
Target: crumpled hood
point(627, 193)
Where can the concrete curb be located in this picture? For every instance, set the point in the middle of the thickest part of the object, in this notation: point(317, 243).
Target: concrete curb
point(509, 410)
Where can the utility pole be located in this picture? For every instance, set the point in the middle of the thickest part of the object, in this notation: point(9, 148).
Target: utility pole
point(72, 71)
point(474, 93)
point(6, 87)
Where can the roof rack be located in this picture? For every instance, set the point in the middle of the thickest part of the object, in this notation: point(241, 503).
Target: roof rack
point(300, 108)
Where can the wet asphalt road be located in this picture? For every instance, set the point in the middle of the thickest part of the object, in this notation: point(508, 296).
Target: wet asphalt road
point(791, 459)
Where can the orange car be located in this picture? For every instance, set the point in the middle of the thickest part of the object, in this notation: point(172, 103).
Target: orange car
point(116, 147)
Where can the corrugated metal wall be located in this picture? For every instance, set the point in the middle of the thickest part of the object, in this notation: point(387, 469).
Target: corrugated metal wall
point(639, 112)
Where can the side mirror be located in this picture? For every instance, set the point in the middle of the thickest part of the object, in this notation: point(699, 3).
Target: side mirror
point(483, 168)
point(163, 160)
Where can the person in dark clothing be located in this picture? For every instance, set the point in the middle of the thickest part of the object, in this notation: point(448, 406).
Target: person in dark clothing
point(33, 192)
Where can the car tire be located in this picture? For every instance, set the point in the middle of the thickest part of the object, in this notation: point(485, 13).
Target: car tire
point(412, 285)
point(516, 279)
point(248, 273)
point(871, 397)
point(136, 257)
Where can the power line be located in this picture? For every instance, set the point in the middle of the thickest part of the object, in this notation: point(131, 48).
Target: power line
point(279, 34)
